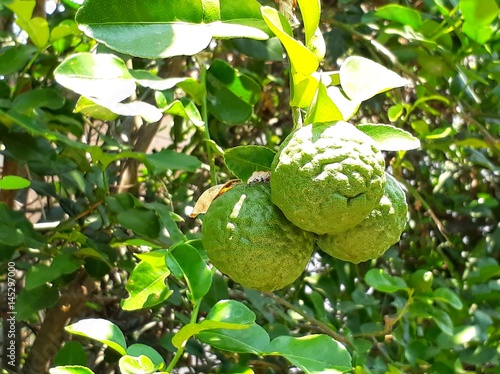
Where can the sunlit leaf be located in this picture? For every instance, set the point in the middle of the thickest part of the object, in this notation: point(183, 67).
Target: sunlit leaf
point(313, 353)
point(301, 58)
point(362, 78)
point(390, 138)
point(101, 330)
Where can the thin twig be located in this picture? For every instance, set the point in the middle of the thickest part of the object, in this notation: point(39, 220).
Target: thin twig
point(321, 325)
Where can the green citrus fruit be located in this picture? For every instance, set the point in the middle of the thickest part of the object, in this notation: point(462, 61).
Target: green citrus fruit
point(249, 239)
point(376, 233)
point(326, 178)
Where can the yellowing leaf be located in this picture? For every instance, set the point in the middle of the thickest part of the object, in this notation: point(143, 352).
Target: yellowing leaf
point(301, 58)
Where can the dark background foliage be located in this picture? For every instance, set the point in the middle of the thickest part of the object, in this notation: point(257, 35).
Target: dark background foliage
point(100, 193)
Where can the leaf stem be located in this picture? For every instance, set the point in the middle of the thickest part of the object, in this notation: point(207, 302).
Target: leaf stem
point(180, 351)
point(204, 115)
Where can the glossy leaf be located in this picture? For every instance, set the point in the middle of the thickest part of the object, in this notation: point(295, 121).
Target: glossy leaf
point(136, 365)
point(187, 261)
point(36, 27)
point(390, 138)
point(138, 349)
point(311, 11)
point(447, 296)
point(147, 286)
point(230, 94)
point(400, 14)
point(135, 108)
point(253, 339)
point(323, 109)
point(156, 29)
point(88, 107)
point(244, 160)
point(362, 78)
point(101, 330)
point(313, 353)
point(192, 329)
point(383, 282)
point(101, 77)
point(70, 369)
point(13, 182)
point(72, 353)
point(185, 108)
point(347, 107)
point(443, 321)
point(479, 13)
point(302, 59)
point(304, 88)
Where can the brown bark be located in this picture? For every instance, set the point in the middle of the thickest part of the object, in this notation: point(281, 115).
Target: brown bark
point(50, 337)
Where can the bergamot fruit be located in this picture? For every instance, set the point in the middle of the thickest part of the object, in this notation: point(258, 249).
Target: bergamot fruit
point(326, 178)
point(249, 239)
point(376, 233)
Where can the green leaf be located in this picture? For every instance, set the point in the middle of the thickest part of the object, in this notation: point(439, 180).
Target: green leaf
point(136, 365)
point(311, 11)
point(253, 339)
point(347, 107)
point(142, 221)
point(447, 296)
point(302, 59)
point(31, 301)
point(71, 369)
point(400, 14)
point(390, 138)
point(88, 107)
point(443, 321)
point(135, 108)
point(137, 350)
point(99, 77)
point(362, 78)
point(312, 354)
point(38, 98)
point(303, 89)
point(101, 330)
point(157, 29)
point(187, 331)
point(479, 13)
point(13, 59)
point(230, 94)
point(13, 182)
point(383, 282)
point(187, 260)
point(184, 108)
point(147, 79)
point(395, 112)
point(40, 274)
point(244, 160)
point(72, 353)
point(160, 162)
point(323, 109)
point(268, 50)
point(147, 286)
point(167, 218)
point(36, 27)
point(231, 311)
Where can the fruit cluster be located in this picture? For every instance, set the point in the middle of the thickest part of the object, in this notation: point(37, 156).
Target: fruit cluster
point(328, 186)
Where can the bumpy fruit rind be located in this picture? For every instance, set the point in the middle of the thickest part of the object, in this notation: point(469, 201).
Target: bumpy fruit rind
point(376, 233)
point(249, 239)
point(326, 178)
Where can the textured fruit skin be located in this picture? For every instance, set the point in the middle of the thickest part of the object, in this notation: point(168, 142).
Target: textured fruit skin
point(250, 240)
point(326, 178)
point(376, 233)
